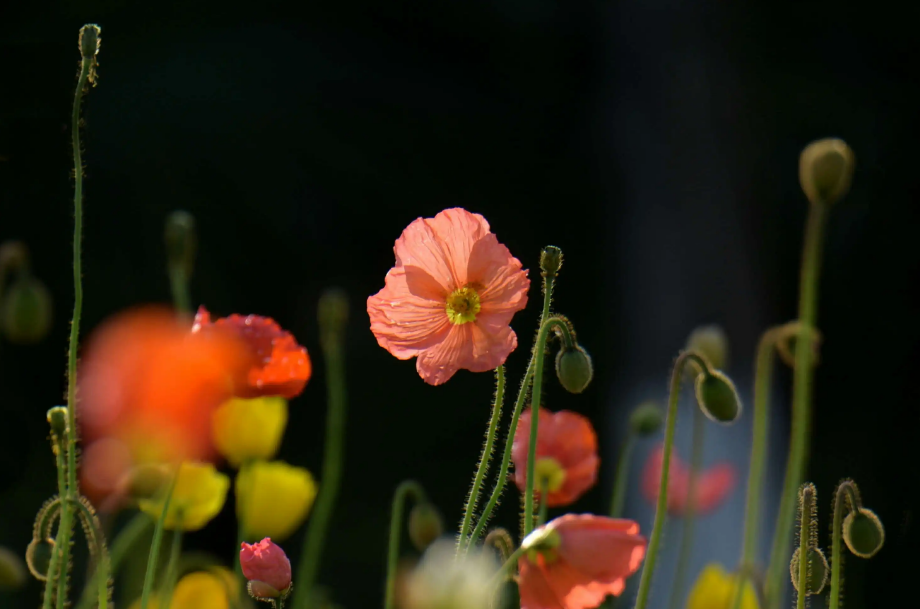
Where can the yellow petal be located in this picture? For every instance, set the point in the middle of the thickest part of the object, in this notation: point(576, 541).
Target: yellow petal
point(273, 499)
point(715, 589)
point(204, 590)
point(199, 495)
point(249, 429)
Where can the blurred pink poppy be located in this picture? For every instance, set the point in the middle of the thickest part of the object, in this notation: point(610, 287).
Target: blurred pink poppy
point(712, 484)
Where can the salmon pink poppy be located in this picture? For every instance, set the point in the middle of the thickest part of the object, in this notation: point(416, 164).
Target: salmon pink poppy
point(576, 560)
point(712, 485)
point(566, 457)
point(278, 365)
point(450, 298)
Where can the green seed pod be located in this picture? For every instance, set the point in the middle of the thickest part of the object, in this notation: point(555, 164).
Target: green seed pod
point(712, 343)
point(57, 419)
point(716, 395)
point(818, 570)
point(25, 317)
point(574, 369)
point(425, 525)
point(89, 40)
point(38, 557)
point(863, 533)
point(646, 419)
point(12, 570)
point(826, 170)
point(550, 260)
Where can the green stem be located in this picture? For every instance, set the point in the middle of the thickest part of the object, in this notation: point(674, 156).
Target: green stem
point(154, 554)
point(58, 556)
point(686, 539)
point(120, 547)
point(484, 459)
point(801, 401)
point(845, 491)
point(622, 475)
point(507, 568)
point(661, 509)
point(804, 546)
point(544, 504)
point(172, 569)
point(179, 286)
point(404, 490)
point(331, 341)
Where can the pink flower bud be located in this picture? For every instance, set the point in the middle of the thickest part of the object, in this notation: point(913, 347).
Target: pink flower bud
point(265, 562)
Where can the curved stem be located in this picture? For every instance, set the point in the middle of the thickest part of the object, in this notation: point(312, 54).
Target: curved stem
point(661, 509)
point(154, 554)
point(619, 484)
point(507, 568)
point(120, 547)
point(801, 401)
point(405, 489)
point(686, 538)
point(172, 569)
point(846, 492)
point(484, 459)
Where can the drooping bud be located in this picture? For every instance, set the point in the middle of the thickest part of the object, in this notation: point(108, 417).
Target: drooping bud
point(89, 40)
point(817, 570)
point(181, 242)
point(26, 311)
point(267, 568)
point(38, 557)
point(826, 170)
point(12, 570)
point(718, 398)
point(863, 533)
point(57, 419)
point(550, 260)
point(425, 525)
point(646, 419)
point(574, 368)
point(712, 343)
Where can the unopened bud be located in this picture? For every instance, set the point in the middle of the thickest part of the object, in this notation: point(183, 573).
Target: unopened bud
point(26, 311)
point(38, 557)
point(57, 419)
point(89, 40)
point(863, 533)
point(817, 570)
point(646, 419)
point(574, 369)
point(181, 241)
point(425, 525)
point(710, 342)
point(146, 481)
point(826, 170)
point(716, 395)
point(12, 570)
point(13, 256)
point(550, 260)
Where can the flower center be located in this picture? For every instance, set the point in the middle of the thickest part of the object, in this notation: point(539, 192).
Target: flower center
point(549, 474)
point(463, 305)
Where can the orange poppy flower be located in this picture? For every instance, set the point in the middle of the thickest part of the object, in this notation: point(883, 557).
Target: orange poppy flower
point(712, 485)
point(278, 365)
point(566, 455)
point(577, 560)
point(450, 297)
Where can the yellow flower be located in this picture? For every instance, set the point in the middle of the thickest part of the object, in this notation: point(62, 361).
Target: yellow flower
point(715, 589)
point(273, 498)
point(249, 429)
point(214, 589)
point(198, 496)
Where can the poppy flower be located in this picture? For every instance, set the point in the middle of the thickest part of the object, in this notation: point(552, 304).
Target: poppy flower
point(716, 589)
point(278, 365)
point(273, 498)
point(450, 298)
point(213, 589)
point(712, 485)
point(576, 560)
point(246, 429)
point(198, 496)
point(265, 563)
point(566, 457)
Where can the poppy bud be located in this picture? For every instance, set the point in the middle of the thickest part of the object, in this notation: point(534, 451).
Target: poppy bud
point(89, 40)
point(267, 568)
point(26, 311)
point(863, 533)
point(574, 369)
point(145, 481)
point(826, 170)
point(818, 570)
point(180, 241)
point(425, 525)
point(718, 398)
point(57, 418)
point(12, 570)
point(38, 557)
point(13, 255)
point(646, 419)
point(550, 260)
point(712, 343)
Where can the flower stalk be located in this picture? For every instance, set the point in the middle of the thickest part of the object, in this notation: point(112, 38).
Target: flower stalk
point(406, 489)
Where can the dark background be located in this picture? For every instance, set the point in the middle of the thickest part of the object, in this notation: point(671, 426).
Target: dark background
point(656, 144)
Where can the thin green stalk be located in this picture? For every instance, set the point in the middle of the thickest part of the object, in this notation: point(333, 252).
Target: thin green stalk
point(484, 459)
point(661, 509)
point(179, 286)
point(622, 475)
point(686, 538)
point(120, 547)
point(544, 504)
point(804, 546)
point(332, 322)
point(172, 569)
point(58, 557)
point(507, 568)
point(154, 554)
point(404, 490)
point(801, 401)
point(846, 492)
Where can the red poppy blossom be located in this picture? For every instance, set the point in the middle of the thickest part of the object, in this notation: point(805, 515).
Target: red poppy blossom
point(712, 485)
point(265, 563)
point(566, 455)
point(577, 560)
point(278, 365)
point(450, 298)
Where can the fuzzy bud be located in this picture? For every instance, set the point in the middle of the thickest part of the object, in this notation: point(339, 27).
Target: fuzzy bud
point(181, 241)
point(12, 570)
point(57, 419)
point(826, 170)
point(26, 311)
point(646, 419)
point(38, 557)
point(550, 260)
point(863, 533)
point(267, 568)
point(574, 369)
point(716, 395)
point(425, 525)
point(818, 570)
point(89, 40)
point(712, 343)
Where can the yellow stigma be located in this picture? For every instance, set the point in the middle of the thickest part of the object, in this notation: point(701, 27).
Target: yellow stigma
point(549, 474)
point(462, 306)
